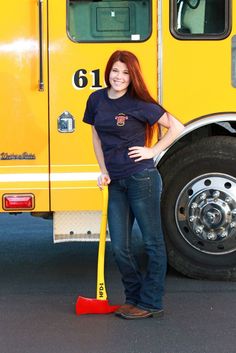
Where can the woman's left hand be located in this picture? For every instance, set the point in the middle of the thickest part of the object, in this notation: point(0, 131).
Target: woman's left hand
point(141, 153)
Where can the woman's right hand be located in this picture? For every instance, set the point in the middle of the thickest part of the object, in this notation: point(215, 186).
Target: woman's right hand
point(103, 180)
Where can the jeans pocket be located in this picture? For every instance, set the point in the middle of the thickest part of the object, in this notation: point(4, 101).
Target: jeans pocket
point(141, 176)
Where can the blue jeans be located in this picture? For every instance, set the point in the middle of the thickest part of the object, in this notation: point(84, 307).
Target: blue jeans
point(138, 197)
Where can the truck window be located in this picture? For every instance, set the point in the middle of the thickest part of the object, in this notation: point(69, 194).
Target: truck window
point(200, 19)
point(108, 21)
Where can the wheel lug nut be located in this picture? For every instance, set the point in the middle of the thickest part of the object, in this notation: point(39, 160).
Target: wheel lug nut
point(232, 225)
point(216, 194)
point(211, 236)
point(203, 196)
point(228, 199)
point(234, 212)
point(192, 219)
point(224, 234)
point(199, 230)
point(194, 205)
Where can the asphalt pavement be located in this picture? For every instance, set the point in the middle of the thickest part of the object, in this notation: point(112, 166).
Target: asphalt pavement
point(41, 281)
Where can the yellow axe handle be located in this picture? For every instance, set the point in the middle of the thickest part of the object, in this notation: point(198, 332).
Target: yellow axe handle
point(101, 288)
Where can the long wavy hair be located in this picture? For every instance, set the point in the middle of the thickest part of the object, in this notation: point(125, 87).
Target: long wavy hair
point(137, 87)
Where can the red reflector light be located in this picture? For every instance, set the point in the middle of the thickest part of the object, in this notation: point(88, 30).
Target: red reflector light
point(18, 201)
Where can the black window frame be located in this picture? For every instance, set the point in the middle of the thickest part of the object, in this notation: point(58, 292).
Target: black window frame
point(205, 36)
point(108, 41)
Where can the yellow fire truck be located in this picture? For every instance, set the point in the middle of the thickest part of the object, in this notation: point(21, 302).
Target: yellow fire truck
point(52, 56)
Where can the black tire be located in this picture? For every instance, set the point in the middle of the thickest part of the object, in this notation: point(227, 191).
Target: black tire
point(199, 208)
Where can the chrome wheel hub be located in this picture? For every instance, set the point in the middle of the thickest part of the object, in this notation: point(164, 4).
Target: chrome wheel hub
point(205, 213)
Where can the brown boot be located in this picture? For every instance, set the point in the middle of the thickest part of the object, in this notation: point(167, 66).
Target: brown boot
point(123, 309)
point(137, 313)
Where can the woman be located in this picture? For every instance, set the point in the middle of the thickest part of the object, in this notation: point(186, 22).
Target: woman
point(124, 119)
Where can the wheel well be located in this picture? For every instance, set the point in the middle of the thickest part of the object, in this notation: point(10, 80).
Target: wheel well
point(220, 128)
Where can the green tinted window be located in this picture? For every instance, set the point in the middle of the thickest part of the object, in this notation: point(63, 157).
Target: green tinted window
point(200, 18)
point(112, 21)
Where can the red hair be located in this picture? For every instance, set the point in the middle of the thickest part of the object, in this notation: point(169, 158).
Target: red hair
point(137, 86)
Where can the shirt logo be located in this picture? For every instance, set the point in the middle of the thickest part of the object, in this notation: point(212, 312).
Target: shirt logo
point(120, 119)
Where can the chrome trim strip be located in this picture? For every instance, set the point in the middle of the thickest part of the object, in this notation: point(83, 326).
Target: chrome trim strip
point(160, 52)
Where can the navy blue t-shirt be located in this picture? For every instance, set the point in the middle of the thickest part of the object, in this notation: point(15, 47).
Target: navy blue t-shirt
point(121, 123)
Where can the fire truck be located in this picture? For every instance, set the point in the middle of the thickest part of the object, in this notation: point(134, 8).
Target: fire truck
point(52, 56)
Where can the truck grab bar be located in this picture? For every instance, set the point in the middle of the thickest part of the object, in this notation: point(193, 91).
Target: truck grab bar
point(41, 83)
point(233, 62)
